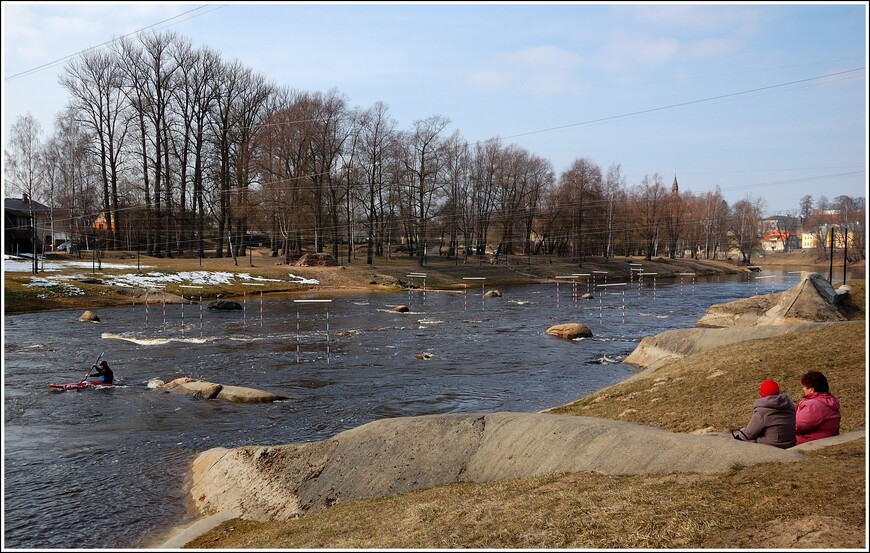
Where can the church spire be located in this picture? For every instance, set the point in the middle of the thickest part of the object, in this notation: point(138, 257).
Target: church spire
point(675, 188)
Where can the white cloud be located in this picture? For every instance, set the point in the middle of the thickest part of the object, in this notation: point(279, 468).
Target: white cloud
point(623, 52)
point(684, 19)
point(711, 48)
point(535, 70)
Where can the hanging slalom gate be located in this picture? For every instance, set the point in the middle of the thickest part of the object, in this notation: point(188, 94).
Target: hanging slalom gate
point(573, 287)
point(764, 278)
point(182, 308)
point(245, 303)
point(603, 287)
point(482, 294)
point(417, 275)
point(681, 275)
point(298, 336)
point(642, 274)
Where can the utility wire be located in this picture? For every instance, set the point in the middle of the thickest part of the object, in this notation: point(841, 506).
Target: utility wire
point(60, 60)
point(683, 104)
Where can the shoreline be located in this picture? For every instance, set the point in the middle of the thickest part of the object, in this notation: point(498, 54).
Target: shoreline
point(69, 289)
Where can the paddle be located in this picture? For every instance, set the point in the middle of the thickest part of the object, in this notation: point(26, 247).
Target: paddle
point(89, 370)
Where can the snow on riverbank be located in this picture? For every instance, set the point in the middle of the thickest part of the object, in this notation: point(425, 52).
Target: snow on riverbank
point(138, 280)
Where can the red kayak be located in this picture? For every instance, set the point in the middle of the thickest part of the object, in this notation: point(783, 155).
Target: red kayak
point(83, 385)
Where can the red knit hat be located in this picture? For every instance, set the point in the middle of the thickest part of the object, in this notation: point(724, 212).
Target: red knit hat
point(768, 388)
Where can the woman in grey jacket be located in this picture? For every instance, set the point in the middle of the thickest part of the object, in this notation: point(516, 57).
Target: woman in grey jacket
point(773, 419)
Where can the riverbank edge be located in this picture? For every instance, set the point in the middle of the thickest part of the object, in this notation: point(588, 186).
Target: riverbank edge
point(387, 275)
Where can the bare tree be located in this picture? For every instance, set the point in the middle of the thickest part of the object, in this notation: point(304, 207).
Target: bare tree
point(806, 208)
point(284, 143)
point(249, 108)
point(423, 160)
point(712, 215)
point(23, 170)
point(457, 175)
point(329, 131)
point(77, 187)
point(582, 181)
point(230, 80)
point(612, 184)
point(518, 188)
point(378, 135)
point(743, 226)
point(648, 199)
point(540, 175)
point(23, 159)
point(194, 98)
point(94, 82)
point(352, 176)
point(484, 167)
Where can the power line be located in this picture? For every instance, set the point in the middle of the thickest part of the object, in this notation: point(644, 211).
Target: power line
point(682, 104)
point(60, 60)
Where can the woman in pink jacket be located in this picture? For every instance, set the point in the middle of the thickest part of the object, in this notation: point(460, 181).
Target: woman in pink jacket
point(818, 413)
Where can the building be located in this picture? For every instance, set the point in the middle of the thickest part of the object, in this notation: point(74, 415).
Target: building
point(28, 228)
point(100, 223)
point(841, 235)
point(778, 222)
point(779, 241)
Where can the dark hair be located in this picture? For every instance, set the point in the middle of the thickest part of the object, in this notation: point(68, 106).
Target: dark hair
point(816, 381)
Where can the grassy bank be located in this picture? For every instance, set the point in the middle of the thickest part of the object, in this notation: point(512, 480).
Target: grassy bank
point(90, 286)
point(818, 503)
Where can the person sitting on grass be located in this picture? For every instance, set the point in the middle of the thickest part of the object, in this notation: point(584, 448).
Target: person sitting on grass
point(818, 413)
point(773, 419)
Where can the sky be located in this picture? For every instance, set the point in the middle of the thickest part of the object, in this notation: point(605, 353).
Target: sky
point(766, 101)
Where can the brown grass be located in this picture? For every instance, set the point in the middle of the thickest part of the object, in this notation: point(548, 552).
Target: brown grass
point(582, 511)
point(716, 388)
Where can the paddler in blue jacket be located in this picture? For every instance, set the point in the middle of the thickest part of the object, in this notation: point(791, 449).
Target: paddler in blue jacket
point(104, 372)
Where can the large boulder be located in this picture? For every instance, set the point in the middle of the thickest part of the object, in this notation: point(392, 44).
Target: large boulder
point(225, 305)
point(196, 388)
point(569, 331)
point(812, 300)
point(398, 455)
point(656, 351)
point(210, 390)
point(89, 317)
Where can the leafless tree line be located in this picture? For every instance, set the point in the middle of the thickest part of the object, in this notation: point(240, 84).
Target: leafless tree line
point(181, 151)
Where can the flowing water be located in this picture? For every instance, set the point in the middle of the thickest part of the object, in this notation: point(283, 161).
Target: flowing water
point(108, 468)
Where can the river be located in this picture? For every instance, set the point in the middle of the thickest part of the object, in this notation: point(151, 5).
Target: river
point(109, 468)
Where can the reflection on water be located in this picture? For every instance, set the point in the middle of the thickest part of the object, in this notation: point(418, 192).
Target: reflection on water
point(116, 460)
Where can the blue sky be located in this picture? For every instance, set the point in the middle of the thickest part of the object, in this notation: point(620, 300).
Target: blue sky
point(765, 101)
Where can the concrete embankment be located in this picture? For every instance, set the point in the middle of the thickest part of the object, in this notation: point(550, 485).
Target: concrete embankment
point(393, 456)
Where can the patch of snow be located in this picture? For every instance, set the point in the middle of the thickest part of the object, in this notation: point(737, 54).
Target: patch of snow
point(13, 264)
point(146, 280)
point(302, 280)
point(65, 288)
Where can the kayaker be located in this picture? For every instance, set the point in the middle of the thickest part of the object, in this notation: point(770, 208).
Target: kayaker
point(104, 372)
